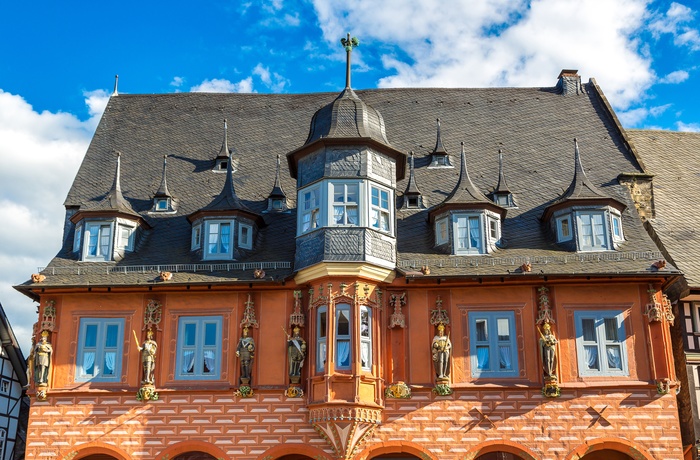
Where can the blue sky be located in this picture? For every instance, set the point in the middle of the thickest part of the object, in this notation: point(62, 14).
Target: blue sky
point(58, 61)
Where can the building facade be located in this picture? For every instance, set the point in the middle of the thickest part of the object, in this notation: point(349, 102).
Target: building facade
point(479, 288)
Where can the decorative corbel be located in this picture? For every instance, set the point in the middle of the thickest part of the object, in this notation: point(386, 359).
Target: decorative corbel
point(397, 319)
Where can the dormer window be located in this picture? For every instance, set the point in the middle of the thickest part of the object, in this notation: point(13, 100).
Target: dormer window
point(310, 212)
point(245, 236)
point(590, 229)
point(218, 239)
point(162, 204)
point(469, 232)
point(98, 241)
point(380, 213)
point(564, 228)
point(277, 204)
point(77, 237)
point(126, 238)
point(221, 165)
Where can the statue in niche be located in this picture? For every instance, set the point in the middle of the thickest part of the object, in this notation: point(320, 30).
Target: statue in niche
point(246, 353)
point(442, 347)
point(548, 343)
point(296, 353)
point(42, 359)
point(148, 358)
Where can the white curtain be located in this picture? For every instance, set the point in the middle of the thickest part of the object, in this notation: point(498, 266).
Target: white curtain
point(504, 352)
point(343, 353)
point(614, 357)
point(591, 356)
point(365, 354)
point(474, 232)
point(110, 357)
point(209, 361)
point(482, 357)
point(187, 362)
point(88, 362)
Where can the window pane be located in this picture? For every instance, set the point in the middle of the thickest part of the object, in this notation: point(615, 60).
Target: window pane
point(321, 356)
point(339, 214)
point(110, 358)
point(481, 330)
point(504, 358)
point(111, 336)
point(352, 193)
point(187, 362)
point(364, 322)
point(474, 235)
point(322, 324)
point(375, 197)
point(90, 336)
point(365, 354)
point(210, 334)
point(614, 356)
point(588, 326)
point(225, 238)
point(104, 239)
point(591, 356)
point(209, 362)
point(385, 199)
point(343, 327)
point(190, 334)
point(503, 329)
point(565, 232)
point(89, 363)
point(338, 194)
point(611, 329)
point(352, 215)
point(343, 353)
point(598, 230)
point(482, 358)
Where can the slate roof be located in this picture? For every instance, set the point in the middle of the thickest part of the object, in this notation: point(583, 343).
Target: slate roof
point(674, 159)
point(534, 126)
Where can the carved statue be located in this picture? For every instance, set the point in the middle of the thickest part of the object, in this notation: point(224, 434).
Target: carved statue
point(42, 360)
point(442, 347)
point(246, 353)
point(548, 343)
point(296, 353)
point(148, 358)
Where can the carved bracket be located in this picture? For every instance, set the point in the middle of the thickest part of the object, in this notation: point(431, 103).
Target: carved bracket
point(397, 318)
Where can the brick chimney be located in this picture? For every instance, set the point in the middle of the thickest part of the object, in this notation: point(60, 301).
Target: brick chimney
point(569, 83)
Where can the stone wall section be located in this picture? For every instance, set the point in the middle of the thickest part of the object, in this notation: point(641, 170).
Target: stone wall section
point(447, 427)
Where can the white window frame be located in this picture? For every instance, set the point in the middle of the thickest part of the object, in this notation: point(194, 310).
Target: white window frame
point(601, 343)
point(494, 229)
point(77, 237)
point(196, 237)
point(125, 243)
point(387, 211)
point(561, 237)
point(162, 204)
point(309, 203)
point(321, 339)
point(208, 235)
point(590, 215)
point(493, 344)
point(102, 252)
point(616, 227)
point(345, 310)
point(332, 204)
point(99, 350)
point(365, 351)
point(442, 233)
point(245, 243)
point(455, 232)
point(199, 347)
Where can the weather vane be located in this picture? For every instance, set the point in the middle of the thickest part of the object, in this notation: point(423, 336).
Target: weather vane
point(349, 43)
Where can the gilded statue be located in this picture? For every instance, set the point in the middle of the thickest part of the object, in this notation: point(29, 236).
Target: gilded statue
point(296, 353)
point(442, 347)
point(548, 343)
point(42, 359)
point(148, 358)
point(246, 353)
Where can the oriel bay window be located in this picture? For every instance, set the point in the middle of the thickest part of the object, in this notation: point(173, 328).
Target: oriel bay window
point(341, 336)
point(99, 354)
point(198, 347)
point(345, 203)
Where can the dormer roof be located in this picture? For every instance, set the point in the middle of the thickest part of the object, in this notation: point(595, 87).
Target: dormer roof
point(163, 191)
point(412, 190)
point(439, 155)
point(502, 186)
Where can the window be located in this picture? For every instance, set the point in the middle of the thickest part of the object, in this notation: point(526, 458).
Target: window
point(321, 333)
point(310, 218)
point(366, 338)
point(126, 238)
point(218, 244)
point(380, 216)
point(504, 200)
point(198, 347)
point(98, 236)
point(616, 227)
point(162, 204)
point(564, 228)
point(413, 202)
point(196, 236)
point(441, 236)
point(77, 237)
point(600, 343)
point(3, 440)
point(345, 204)
point(468, 233)
point(245, 236)
point(591, 230)
point(342, 337)
point(100, 349)
point(494, 229)
point(492, 344)
point(277, 204)
point(5, 386)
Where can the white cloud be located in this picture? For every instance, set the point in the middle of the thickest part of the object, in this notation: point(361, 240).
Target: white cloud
point(216, 85)
point(674, 22)
point(274, 81)
point(634, 117)
point(501, 42)
point(688, 127)
point(677, 76)
point(177, 82)
point(39, 155)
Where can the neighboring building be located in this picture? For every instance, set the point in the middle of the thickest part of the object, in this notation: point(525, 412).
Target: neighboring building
point(674, 158)
point(14, 404)
point(425, 286)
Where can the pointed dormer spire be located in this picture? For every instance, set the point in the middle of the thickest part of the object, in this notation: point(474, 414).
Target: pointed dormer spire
point(439, 156)
point(116, 185)
point(114, 200)
point(581, 186)
point(277, 200)
point(116, 84)
point(465, 191)
point(412, 195)
point(502, 186)
point(224, 151)
point(163, 189)
point(439, 148)
point(348, 43)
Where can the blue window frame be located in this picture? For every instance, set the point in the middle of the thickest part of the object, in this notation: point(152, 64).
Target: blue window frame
point(218, 239)
point(321, 339)
point(343, 354)
point(600, 343)
point(198, 348)
point(100, 350)
point(492, 345)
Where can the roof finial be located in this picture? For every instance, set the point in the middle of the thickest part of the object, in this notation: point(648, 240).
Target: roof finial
point(348, 43)
point(224, 152)
point(116, 186)
point(502, 186)
point(116, 84)
point(163, 189)
point(412, 190)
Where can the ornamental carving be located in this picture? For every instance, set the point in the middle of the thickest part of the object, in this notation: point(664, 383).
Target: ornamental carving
point(152, 315)
point(544, 314)
point(297, 317)
point(358, 297)
point(654, 310)
point(398, 390)
point(345, 428)
point(48, 320)
point(249, 319)
point(397, 318)
point(439, 315)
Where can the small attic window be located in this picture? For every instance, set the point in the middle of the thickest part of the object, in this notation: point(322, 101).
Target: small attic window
point(564, 228)
point(162, 204)
point(221, 165)
point(413, 202)
point(277, 204)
